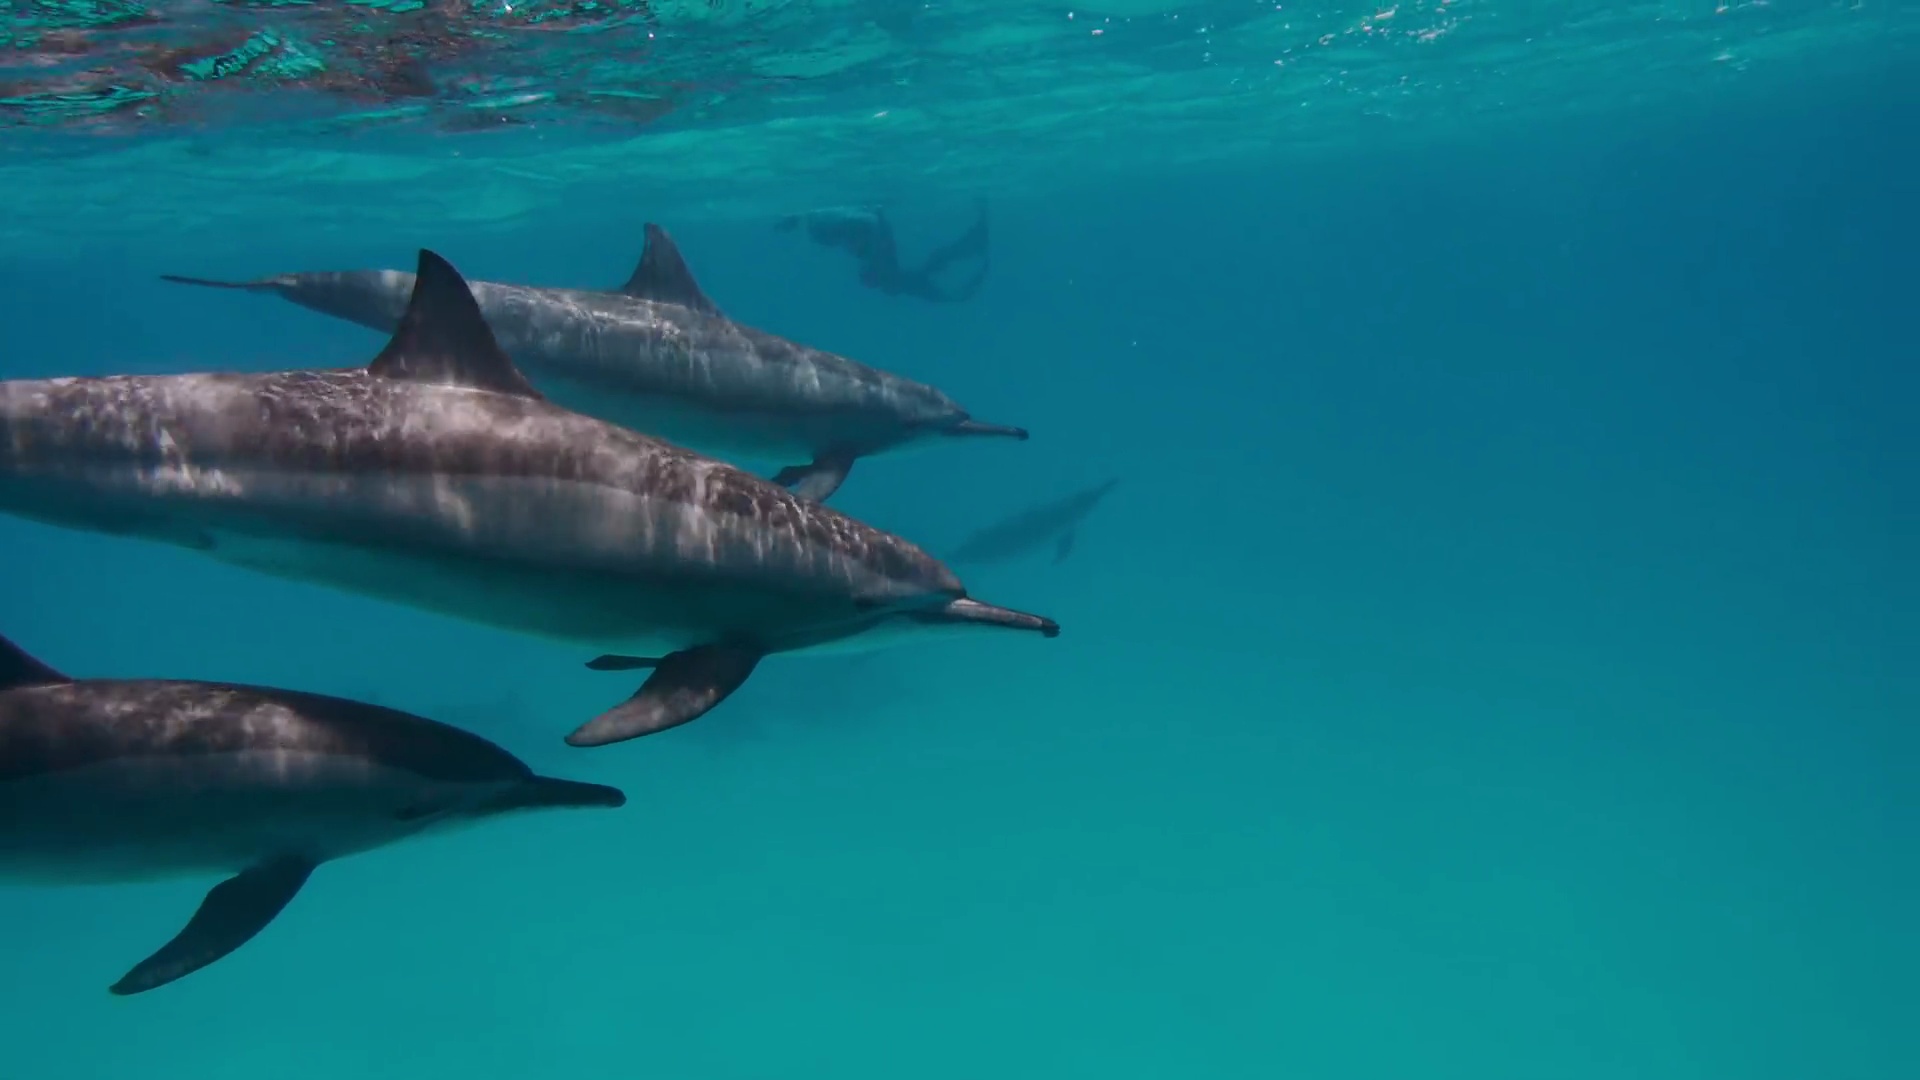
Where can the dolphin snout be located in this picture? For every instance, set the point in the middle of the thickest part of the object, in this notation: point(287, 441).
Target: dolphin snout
point(975, 427)
point(967, 610)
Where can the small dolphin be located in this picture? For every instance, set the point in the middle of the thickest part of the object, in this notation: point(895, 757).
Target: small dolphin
point(438, 477)
point(659, 357)
point(117, 780)
point(1058, 520)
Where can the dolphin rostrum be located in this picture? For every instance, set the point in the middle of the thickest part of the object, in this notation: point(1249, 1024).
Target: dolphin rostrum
point(437, 477)
point(660, 357)
point(116, 780)
point(1058, 520)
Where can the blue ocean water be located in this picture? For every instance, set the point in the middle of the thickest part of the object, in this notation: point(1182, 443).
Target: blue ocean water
point(1499, 659)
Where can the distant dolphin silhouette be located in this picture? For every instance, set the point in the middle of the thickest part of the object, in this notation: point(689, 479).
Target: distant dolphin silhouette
point(1058, 521)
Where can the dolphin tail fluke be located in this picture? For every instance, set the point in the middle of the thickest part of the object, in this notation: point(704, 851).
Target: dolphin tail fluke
point(975, 427)
point(233, 912)
point(262, 285)
point(552, 793)
point(965, 610)
point(684, 687)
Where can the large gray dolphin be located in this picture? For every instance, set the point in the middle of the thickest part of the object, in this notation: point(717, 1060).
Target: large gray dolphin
point(113, 780)
point(438, 477)
point(660, 357)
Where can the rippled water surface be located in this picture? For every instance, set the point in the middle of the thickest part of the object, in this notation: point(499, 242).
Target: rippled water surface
point(190, 116)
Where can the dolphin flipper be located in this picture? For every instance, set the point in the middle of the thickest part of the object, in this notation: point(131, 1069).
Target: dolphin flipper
point(1065, 547)
point(683, 687)
point(233, 912)
point(818, 481)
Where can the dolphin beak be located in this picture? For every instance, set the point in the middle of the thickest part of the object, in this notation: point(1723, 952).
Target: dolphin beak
point(549, 793)
point(271, 284)
point(975, 427)
point(965, 610)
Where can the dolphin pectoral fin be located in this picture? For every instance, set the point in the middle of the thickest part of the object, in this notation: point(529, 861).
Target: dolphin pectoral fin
point(818, 481)
point(684, 687)
point(617, 662)
point(1065, 547)
point(233, 912)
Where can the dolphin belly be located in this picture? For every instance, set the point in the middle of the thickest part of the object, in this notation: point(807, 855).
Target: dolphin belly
point(688, 379)
point(714, 423)
point(151, 818)
point(625, 613)
point(608, 569)
point(756, 436)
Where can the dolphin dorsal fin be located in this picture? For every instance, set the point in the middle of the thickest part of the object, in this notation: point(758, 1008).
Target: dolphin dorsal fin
point(663, 275)
point(19, 669)
point(443, 338)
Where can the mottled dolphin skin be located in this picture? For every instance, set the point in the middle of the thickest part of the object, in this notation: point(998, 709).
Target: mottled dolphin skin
point(659, 357)
point(119, 780)
point(438, 477)
point(1058, 521)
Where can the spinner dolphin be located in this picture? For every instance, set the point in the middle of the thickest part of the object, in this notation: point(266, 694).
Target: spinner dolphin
point(117, 780)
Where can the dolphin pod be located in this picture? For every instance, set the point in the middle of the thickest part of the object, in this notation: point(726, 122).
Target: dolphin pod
point(440, 477)
point(115, 780)
point(659, 356)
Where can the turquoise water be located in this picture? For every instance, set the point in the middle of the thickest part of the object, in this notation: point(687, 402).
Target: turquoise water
point(1498, 660)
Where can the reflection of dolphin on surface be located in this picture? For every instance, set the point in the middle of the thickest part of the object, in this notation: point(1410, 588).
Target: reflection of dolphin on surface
point(121, 780)
point(1033, 527)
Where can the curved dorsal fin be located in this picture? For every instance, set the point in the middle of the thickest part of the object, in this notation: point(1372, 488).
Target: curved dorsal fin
point(19, 669)
point(443, 338)
point(663, 275)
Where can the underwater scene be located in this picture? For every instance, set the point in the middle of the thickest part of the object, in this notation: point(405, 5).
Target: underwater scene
point(942, 539)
